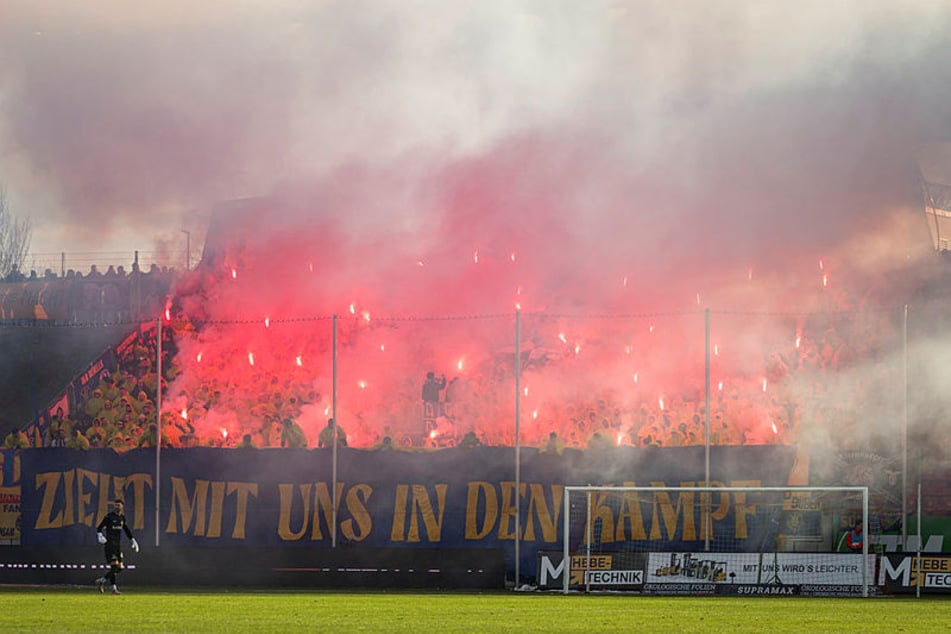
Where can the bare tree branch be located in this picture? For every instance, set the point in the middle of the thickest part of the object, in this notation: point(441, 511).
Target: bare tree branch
point(15, 236)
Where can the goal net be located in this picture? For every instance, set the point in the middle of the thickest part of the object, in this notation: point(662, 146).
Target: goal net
point(714, 540)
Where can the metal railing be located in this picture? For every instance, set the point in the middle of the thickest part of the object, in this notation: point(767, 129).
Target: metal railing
point(82, 262)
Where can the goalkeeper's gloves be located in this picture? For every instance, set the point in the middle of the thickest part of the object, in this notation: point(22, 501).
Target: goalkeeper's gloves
point(135, 545)
point(101, 538)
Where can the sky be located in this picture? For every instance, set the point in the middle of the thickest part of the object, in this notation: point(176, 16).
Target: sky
point(722, 124)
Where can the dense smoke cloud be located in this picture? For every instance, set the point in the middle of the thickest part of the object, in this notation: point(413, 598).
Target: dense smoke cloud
point(651, 118)
point(433, 159)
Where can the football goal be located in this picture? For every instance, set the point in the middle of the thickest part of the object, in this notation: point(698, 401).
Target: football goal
point(746, 540)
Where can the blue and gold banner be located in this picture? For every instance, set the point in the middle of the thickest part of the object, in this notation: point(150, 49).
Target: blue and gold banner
point(460, 497)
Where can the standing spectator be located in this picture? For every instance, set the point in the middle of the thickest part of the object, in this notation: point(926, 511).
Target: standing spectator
point(292, 436)
point(326, 438)
point(59, 421)
point(60, 440)
point(109, 532)
point(430, 393)
point(470, 440)
point(247, 442)
point(77, 440)
point(386, 444)
point(97, 433)
point(553, 445)
point(855, 537)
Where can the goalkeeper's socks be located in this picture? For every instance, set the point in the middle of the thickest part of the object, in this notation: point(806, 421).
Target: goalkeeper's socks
point(115, 590)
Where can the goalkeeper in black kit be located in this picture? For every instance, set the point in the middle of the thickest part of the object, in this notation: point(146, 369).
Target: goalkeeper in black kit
point(109, 532)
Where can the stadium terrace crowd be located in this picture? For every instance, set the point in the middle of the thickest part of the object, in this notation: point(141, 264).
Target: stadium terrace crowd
point(818, 393)
point(120, 412)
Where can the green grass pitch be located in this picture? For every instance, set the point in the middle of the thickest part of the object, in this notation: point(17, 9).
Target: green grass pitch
point(73, 609)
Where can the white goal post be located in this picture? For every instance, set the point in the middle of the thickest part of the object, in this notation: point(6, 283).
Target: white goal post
point(748, 540)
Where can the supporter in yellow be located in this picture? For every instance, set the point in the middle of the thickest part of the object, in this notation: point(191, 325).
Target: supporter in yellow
point(270, 431)
point(117, 442)
point(59, 421)
point(553, 445)
point(16, 439)
point(77, 440)
point(293, 436)
point(109, 414)
point(96, 433)
point(599, 442)
point(110, 391)
point(385, 444)
point(171, 433)
point(326, 438)
point(94, 403)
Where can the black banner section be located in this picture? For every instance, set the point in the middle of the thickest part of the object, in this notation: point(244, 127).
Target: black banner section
point(904, 573)
point(445, 568)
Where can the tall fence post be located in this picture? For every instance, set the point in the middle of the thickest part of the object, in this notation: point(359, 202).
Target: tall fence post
point(333, 414)
point(706, 427)
point(904, 435)
point(518, 453)
point(158, 427)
